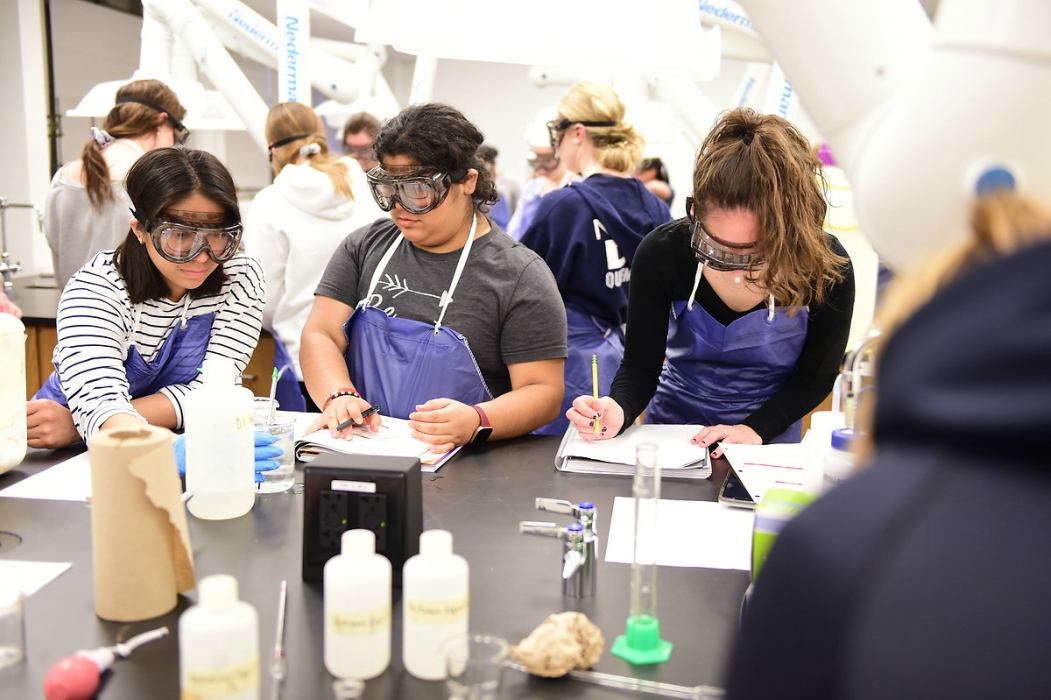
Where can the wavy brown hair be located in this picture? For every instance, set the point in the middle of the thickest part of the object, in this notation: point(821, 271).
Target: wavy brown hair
point(619, 147)
point(1002, 223)
point(289, 119)
point(762, 163)
point(126, 120)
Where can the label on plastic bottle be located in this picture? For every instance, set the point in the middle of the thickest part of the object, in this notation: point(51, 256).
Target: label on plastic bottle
point(220, 683)
point(436, 612)
point(243, 423)
point(346, 623)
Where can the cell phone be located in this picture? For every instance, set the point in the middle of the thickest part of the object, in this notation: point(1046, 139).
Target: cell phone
point(733, 492)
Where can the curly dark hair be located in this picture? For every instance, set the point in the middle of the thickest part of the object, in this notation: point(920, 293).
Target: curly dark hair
point(441, 138)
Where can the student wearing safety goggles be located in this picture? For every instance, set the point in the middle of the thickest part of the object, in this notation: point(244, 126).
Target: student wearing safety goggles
point(760, 297)
point(433, 314)
point(549, 172)
point(588, 232)
point(136, 323)
point(87, 207)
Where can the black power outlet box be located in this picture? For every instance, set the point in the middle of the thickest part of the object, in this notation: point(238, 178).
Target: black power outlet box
point(347, 492)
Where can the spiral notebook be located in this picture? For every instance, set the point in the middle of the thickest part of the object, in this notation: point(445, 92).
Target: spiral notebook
point(678, 458)
point(394, 439)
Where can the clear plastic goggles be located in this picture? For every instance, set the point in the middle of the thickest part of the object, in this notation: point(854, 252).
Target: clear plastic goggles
point(417, 194)
point(544, 163)
point(181, 242)
point(716, 253)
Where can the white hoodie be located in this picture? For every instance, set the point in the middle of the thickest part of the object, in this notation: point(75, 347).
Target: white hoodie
point(292, 228)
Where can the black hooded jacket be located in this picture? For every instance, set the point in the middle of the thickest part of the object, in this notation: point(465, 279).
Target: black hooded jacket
point(928, 575)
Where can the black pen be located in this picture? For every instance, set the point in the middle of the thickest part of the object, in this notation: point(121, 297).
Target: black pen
point(364, 414)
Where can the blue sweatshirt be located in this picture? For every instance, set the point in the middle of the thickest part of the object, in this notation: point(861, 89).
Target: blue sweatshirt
point(587, 233)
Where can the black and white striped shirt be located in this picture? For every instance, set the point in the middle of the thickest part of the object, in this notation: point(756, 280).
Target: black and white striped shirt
point(98, 325)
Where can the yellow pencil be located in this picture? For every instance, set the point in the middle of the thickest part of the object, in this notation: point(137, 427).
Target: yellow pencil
point(594, 384)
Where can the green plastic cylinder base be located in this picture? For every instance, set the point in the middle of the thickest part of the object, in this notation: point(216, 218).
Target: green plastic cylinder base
point(642, 644)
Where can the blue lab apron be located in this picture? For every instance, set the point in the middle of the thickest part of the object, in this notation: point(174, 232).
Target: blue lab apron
point(587, 336)
point(721, 374)
point(177, 362)
point(289, 397)
point(399, 363)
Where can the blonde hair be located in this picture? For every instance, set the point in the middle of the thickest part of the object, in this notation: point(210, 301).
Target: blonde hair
point(762, 163)
point(618, 147)
point(290, 119)
point(126, 120)
point(1002, 223)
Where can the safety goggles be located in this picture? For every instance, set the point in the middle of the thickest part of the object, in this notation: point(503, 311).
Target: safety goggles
point(555, 127)
point(180, 242)
point(716, 253)
point(416, 194)
point(182, 134)
point(545, 163)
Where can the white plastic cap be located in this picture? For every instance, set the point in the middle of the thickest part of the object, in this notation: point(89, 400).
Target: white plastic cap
point(358, 544)
point(436, 543)
point(217, 592)
point(219, 372)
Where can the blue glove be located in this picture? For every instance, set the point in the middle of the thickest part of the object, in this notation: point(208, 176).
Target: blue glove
point(265, 454)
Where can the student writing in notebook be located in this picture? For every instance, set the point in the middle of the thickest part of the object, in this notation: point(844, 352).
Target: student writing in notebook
point(747, 298)
point(432, 314)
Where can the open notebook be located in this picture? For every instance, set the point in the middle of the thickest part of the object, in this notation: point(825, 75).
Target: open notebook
point(679, 459)
point(394, 439)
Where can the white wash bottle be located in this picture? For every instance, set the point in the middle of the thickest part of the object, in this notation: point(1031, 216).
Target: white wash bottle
point(220, 444)
point(219, 644)
point(357, 608)
point(435, 604)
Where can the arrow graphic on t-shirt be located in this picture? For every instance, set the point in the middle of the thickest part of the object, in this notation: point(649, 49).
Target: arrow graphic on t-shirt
point(400, 286)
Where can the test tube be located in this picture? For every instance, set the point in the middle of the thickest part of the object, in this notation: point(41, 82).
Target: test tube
point(646, 489)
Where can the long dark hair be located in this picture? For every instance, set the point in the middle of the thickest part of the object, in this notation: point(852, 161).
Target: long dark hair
point(126, 120)
point(158, 180)
point(437, 137)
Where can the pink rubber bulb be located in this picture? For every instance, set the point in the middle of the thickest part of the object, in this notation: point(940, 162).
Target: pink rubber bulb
point(72, 678)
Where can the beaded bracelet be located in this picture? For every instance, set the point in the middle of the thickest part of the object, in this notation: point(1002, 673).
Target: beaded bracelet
point(336, 394)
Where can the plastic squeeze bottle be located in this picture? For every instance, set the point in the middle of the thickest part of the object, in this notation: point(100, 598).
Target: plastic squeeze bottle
point(219, 644)
point(12, 392)
point(838, 464)
point(357, 608)
point(220, 447)
point(435, 604)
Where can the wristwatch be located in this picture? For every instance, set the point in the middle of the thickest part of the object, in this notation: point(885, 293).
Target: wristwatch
point(484, 430)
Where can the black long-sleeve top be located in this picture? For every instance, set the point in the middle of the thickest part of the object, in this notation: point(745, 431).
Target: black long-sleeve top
point(663, 272)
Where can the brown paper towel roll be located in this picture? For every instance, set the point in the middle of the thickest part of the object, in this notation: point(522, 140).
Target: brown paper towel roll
point(140, 539)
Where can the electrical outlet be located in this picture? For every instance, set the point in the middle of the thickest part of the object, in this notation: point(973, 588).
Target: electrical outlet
point(381, 494)
point(372, 515)
point(333, 509)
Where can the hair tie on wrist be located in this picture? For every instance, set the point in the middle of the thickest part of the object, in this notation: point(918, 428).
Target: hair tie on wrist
point(102, 137)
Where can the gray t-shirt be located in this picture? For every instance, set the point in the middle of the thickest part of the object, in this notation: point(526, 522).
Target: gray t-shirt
point(506, 303)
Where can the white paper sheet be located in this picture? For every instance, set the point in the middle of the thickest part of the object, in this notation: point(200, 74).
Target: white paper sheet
point(786, 466)
point(66, 481)
point(30, 576)
point(699, 534)
point(676, 451)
